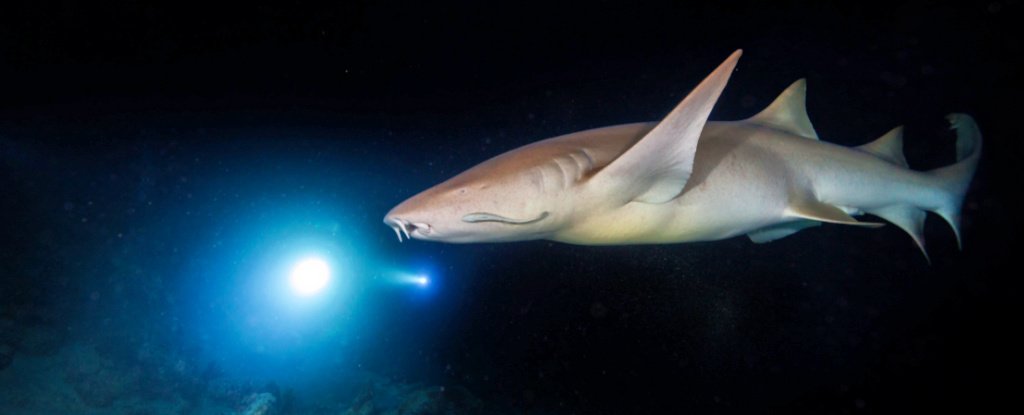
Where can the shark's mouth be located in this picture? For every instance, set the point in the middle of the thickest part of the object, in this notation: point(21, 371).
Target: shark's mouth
point(409, 229)
point(491, 217)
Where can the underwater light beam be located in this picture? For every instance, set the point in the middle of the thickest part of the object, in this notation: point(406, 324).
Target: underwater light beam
point(310, 276)
point(418, 280)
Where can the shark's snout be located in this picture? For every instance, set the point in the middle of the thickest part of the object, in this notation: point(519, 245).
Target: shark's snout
point(411, 230)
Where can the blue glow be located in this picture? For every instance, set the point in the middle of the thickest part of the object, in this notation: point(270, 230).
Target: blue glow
point(247, 296)
point(310, 276)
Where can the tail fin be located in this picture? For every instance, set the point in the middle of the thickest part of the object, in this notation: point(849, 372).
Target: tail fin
point(955, 178)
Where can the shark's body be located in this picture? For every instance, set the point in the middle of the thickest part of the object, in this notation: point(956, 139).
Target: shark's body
point(685, 179)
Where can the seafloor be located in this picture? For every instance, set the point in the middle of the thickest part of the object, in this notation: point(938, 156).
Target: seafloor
point(45, 373)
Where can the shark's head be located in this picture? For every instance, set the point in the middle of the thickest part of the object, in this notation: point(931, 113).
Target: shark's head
point(508, 198)
point(554, 188)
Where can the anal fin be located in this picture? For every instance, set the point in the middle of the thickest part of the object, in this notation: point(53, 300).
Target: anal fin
point(908, 218)
point(807, 208)
point(782, 230)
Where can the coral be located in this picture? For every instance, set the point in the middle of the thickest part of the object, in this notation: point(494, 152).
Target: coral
point(227, 392)
point(258, 404)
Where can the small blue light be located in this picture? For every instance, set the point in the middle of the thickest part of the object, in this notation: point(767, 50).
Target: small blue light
point(422, 281)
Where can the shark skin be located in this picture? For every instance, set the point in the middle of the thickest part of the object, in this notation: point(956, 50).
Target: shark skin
point(685, 179)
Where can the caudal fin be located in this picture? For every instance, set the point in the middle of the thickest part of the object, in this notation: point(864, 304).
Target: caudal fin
point(955, 178)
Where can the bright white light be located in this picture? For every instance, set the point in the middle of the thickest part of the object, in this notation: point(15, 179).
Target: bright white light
point(310, 276)
point(422, 281)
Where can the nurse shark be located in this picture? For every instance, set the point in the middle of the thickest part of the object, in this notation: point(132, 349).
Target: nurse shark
point(687, 179)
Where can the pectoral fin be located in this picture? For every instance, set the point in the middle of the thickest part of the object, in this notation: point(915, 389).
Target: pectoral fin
point(780, 231)
point(806, 208)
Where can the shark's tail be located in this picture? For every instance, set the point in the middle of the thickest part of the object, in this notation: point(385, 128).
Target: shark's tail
point(948, 184)
point(955, 178)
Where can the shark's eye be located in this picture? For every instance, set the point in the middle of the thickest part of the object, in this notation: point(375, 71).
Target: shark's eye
point(462, 191)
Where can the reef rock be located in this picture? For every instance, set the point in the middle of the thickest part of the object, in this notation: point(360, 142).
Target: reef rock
point(6, 356)
point(363, 404)
point(98, 381)
point(40, 340)
point(386, 398)
point(439, 400)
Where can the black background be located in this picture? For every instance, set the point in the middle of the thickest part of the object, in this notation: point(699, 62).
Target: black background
point(831, 320)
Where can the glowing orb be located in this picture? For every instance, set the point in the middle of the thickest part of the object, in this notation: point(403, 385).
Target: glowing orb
point(421, 280)
point(310, 276)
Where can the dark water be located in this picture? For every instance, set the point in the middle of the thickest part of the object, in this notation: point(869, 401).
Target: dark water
point(163, 167)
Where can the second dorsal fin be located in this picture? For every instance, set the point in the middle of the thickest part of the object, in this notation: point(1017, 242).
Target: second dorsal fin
point(789, 111)
point(889, 147)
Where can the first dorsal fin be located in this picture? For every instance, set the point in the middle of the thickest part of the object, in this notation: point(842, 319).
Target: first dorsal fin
point(656, 168)
point(789, 111)
point(888, 147)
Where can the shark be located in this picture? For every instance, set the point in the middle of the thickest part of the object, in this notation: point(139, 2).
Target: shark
point(687, 179)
